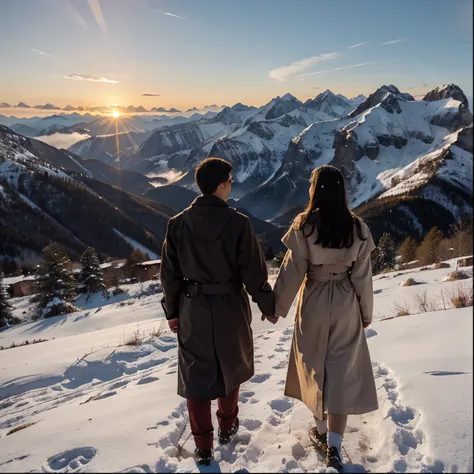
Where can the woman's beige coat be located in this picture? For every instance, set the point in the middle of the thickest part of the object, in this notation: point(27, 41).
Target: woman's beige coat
point(329, 367)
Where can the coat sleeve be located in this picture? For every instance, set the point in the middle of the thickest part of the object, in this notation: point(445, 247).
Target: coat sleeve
point(292, 271)
point(253, 270)
point(170, 275)
point(361, 277)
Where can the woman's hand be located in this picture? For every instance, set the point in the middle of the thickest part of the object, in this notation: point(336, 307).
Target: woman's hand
point(174, 325)
point(366, 324)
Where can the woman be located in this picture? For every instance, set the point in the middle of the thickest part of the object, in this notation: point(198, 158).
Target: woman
point(328, 257)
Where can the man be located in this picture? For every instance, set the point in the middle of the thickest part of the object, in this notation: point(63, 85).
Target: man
point(210, 250)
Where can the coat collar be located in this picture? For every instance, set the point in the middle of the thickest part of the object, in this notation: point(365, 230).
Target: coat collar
point(209, 200)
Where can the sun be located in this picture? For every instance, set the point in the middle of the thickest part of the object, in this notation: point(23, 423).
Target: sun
point(116, 114)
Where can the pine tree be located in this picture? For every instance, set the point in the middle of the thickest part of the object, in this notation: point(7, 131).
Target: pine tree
point(429, 250)
point(407, 250)
point(6, 315)
point(385, 256)
point(56, 284)
point(375, 257)
point(91, 275)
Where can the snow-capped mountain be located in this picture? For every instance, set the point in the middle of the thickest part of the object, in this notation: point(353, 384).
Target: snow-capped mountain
point(41, 123)
point(42, 200)
point(355, 101)
point(333, 105)
point(391, 148)
point(63, 129)
point(170, 147)
point(47, 106)
point(391, 145)
point(104, 147)
point(253, 140)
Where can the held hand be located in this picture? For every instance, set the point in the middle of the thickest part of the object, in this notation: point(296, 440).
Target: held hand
point(174, 325)
point(273, 319)
point(365, 324)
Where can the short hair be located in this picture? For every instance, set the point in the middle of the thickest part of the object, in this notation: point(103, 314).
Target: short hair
point(210, 173)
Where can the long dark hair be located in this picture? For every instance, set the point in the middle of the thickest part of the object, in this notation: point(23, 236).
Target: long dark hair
point(328, 211)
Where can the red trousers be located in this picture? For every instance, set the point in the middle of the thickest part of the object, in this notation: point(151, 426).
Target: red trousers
point(201, 421)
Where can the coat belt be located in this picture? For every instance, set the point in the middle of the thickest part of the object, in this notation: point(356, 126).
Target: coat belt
point(335, 277)
point(193, 288)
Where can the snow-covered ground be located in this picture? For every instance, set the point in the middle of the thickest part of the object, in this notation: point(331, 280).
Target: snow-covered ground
point(87, 402)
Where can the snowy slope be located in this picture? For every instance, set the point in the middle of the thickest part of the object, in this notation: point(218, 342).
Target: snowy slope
point(100, 406)
point(49, 195)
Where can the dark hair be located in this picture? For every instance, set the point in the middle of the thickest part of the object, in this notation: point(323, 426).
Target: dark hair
point(210, 173)
point(329, 211)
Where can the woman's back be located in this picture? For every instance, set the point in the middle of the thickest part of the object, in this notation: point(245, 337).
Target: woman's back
point(303, 241)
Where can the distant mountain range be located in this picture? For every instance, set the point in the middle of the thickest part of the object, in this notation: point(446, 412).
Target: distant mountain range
point(130, 109)
point(407, 163)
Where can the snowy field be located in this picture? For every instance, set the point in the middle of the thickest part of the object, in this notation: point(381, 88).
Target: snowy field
point(84, 400)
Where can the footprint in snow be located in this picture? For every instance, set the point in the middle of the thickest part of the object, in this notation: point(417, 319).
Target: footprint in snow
point(71, 460)
point(147, 380)
point(281, 405)
point(105, 395)
point(251, 425)
point(260, 378)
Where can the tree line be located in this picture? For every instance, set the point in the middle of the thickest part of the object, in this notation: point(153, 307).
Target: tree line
point(56, 285)
point(434, 248)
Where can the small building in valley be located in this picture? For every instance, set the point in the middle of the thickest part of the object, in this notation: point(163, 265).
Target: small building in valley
point(20, 286)
point(145, 271)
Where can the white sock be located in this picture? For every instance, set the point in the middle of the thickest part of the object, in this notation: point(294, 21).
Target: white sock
point(321, 426)
point(334, 440)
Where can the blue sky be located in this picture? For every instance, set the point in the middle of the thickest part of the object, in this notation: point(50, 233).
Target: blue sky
point(200, 52)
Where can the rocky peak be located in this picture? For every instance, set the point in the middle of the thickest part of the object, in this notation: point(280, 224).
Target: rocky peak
point(358, 100)
point(447, 91)
point(282, 105)
point(239, 107)
point(387, 96)
point(329, 103)
point(288, 96)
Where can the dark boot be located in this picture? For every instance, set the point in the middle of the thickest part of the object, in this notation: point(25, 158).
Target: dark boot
point(203, 456)
point(319, 440)
point(333, 459)
point(225, 436)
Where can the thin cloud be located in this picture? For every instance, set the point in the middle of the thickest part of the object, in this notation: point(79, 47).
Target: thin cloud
point(42, 53)
point(338, 69)
point(72, 12)
point(316, 88)
point(395, 41)
point(282, 73)
point(94, 5)
point(357, 45)
point(88, 77)
point(150, 95)
point(173, 15)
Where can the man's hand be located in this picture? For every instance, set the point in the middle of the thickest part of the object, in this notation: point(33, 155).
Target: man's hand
point(174, 325)
point(366, 324)
point(272, 319)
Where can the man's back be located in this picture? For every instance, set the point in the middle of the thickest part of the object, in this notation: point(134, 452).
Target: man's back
point(210, 239)
point(211, 260)
point(211, 250)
